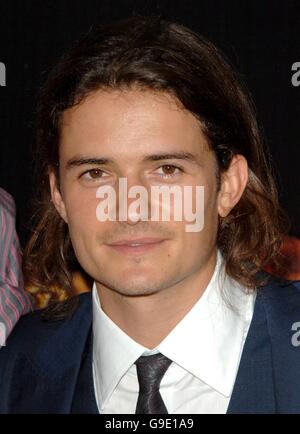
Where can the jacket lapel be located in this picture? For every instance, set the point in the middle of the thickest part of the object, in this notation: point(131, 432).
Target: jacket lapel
point(84, 400)
point(254, 387)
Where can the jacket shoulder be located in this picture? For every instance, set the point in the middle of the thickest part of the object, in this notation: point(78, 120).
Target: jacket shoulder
point(281, 294)
point(42, 359)
point(281, 303)
point(33, 337)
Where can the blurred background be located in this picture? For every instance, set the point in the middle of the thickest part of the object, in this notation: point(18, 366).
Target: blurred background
point(261, 39)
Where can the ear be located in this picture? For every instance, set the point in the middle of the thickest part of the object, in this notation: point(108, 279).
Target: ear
point(56, 196)
point(233, 184)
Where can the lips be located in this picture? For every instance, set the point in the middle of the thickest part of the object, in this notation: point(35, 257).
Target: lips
point(136, 246)
point(136, 242)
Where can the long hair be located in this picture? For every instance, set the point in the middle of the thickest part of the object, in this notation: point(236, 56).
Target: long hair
point(153, 53)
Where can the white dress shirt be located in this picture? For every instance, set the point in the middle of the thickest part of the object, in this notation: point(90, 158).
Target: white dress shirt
point(205, 348)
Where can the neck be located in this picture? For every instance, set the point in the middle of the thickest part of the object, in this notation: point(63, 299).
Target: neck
point(149, 319)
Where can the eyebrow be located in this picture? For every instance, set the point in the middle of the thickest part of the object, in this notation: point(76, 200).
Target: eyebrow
point(181, 155)
point(80, 161)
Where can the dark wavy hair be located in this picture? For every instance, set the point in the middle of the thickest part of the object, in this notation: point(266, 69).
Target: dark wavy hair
point(153, 53)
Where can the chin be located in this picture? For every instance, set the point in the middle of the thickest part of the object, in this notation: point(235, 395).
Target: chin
point(137, 286)
point(137, 292)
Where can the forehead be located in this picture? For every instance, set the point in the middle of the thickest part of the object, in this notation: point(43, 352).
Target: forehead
point(130, 122)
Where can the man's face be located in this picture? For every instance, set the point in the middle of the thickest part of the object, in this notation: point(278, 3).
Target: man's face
point(128, 128)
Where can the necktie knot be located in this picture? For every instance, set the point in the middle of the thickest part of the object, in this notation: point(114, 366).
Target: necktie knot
point(150, 371)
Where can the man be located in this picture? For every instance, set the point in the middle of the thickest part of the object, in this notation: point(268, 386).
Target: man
point(178, 321)
point(14, 301)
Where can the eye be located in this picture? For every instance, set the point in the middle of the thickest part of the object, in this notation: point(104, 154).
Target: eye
point(169, 169)
point(93, 174)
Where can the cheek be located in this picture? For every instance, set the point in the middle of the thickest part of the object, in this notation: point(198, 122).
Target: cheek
point(81, 211)
point(210, 206)
point(207, 213)
point(210, 193)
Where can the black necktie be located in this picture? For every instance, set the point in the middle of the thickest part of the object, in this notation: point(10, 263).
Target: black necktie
point(150, 370)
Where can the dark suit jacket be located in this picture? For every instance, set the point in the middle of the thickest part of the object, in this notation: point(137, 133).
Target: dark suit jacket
point(47, 367)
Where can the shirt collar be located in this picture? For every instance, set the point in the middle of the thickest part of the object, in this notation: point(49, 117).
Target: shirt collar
point(113, 351)
point(216, 326)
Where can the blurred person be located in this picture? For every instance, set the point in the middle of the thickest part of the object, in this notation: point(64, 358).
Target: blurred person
point(14, 301)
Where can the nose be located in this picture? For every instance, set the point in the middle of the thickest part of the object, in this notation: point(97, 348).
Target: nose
point(132, 199)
